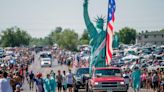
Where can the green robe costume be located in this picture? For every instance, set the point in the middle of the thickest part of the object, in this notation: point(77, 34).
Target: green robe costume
point(47, 85)
point(97, 36)
point(136, 79)
point(53, 84)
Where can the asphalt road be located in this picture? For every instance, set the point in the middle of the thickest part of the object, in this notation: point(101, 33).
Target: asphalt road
point(35, 67)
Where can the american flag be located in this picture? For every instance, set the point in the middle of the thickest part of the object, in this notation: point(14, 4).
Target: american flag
point(109, 35)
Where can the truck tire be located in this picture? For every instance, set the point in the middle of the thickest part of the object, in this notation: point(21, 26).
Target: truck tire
point(76, 90)
point(86, 87)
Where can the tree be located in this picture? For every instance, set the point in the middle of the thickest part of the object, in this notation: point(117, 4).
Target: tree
point(58, 29)
point(127, 35)
point(85, 38)
point(162, 30)
point(68, 39)
point(37, 42)
point(54, 36)
point(14, 36)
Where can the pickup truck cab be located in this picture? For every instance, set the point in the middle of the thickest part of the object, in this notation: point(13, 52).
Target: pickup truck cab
point(108, 79)
point(81, 77)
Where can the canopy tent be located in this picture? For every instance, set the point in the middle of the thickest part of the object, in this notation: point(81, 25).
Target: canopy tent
point(129, 57)
point(130, 51)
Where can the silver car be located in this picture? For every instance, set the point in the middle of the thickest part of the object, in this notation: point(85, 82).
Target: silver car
point(46, 62)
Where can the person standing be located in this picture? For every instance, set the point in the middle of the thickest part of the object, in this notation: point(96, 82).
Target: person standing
point(18, 88)
point(52, 74)
point(52, 83)
point(17, 79)
point(70, 80)
point(46, 84)
point(64, 82)
point(59, 81)
point(31, 76)
point(143, 78)
point(155, 79)
point(4, 83)
point(27, 74)
point(136, 74)
point(148, 81)
point(127, 79)
point(39, 83)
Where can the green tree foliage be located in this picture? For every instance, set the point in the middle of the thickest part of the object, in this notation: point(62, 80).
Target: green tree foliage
point(54, 36)
point(68, 39)
point(85, 38)
point(40, 41)
point(127, 35)
point(14, 36)
point(162, 30)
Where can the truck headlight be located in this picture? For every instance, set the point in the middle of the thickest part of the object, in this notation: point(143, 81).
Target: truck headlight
point(122, 83)
point(96, 83)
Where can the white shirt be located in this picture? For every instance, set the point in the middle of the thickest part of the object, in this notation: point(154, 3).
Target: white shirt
point(5, 85)
point(64, 82)
point(70, 78)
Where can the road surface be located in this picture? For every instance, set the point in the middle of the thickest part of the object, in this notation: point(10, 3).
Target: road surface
point(35, 67)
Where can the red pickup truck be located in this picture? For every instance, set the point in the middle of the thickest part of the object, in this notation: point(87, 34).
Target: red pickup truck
point(108, 79)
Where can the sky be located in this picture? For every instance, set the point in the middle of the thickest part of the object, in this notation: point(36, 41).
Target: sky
point(40, 17)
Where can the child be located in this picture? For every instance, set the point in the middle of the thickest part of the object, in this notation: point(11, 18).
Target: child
point(18, 88)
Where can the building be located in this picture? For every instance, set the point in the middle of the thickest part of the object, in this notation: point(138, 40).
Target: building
point(154, 38)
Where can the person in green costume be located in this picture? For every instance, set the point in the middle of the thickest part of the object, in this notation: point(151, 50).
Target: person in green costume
point(116, 41)
point(97, 35)
point(46, 85)
point(136, 79)
point(53, 83)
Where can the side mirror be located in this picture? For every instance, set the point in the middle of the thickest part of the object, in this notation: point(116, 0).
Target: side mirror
point(98, 75)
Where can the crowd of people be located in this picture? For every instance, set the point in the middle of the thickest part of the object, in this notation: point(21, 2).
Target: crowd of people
point(13, 68)
point(72, 59)
point(61, 81)
point(14, 72)
point(142, 78)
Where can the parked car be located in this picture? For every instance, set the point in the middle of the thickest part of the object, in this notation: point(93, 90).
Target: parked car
point(81, 76)
point(107, 79)
point(46, 62)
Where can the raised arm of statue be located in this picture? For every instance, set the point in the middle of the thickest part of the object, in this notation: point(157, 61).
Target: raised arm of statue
point(91, 29)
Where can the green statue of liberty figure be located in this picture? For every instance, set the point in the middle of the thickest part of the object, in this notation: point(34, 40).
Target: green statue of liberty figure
point(97, 36)
point(116, 41)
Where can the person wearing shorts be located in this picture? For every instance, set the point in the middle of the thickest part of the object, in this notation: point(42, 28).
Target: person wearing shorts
point(59, 81)
point(70, 81)
point(64, 82)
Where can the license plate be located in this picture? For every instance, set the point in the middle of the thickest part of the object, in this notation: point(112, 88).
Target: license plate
point(109, 91)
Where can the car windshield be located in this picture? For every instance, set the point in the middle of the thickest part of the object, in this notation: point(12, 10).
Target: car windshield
point(46, 59)
point(108, 72)
point(45, 56)
point(82, 71)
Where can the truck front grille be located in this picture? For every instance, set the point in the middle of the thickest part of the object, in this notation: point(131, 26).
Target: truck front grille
point(109, 84)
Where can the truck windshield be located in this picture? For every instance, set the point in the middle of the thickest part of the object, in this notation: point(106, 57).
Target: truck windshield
point(108, 72)
point(82, 71)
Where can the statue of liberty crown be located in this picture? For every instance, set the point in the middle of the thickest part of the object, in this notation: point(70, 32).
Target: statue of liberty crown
point(102, 18)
